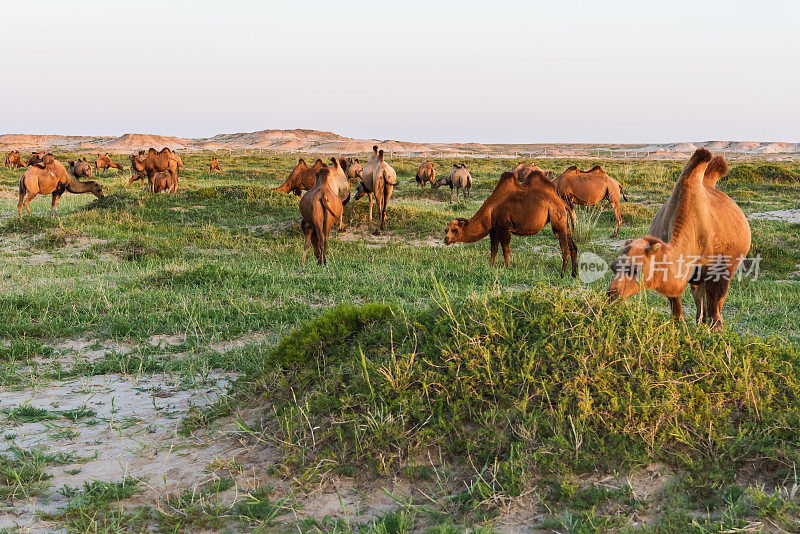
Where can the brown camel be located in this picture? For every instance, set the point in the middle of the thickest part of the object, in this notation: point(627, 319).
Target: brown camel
point(378, 185)
point(302, 178)
point(354, 169)
point(519, 209)
point(320, 207)
point(214, 165)
point(103, 162)
point(426, 173)
point(14, 160)
point(163, 181)
point(152, 161)
point(80, 168)
point(699, 237)
point(36, 157)
point(368, 172)
point(523, 170)
point(50, 177)
point(459, 178)
point(587, 188)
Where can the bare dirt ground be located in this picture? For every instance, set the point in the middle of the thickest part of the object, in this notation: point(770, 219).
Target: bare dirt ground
point(789, 215)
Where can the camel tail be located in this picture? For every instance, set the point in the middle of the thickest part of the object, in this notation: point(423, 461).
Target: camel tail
point(622, 192)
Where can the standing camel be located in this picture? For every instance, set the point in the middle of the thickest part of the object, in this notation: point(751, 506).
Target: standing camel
point(50, 177)
point(378, 184)
point(320, 207)
point(587, 188)
point(459, 178)
point(426, 173)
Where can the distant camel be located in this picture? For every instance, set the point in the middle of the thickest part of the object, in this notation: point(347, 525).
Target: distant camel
point(378, 184)
point(214, 165)
point(103, 162)
point(519, 209)
point(149, 162)
point(80, 168)
point(587, 188)
point(50, 177)
point(459, 178)
point(426, 173)
point(320, 207)
point(302, 178)
point(14, 160)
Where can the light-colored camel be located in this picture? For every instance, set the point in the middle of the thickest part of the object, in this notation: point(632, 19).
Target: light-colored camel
point(426, 173)
point(519, 209)
point(378, 184)
point(354, 169)
point(80, 168)
point(14, 160)
point(49, 177)
point(587, 188)
point(214, 165)
point(103, 163)
point(302, 178)
point(700, 238)
point(458, 178)
point(368, 172)
point(320, 207)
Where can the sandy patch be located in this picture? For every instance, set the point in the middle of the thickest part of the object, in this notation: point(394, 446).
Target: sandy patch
point(790, 216)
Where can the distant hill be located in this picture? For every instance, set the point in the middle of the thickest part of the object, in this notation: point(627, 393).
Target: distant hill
point(318, 142)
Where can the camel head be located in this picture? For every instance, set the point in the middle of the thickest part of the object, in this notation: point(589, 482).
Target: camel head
point(640, 264)
point(454, 231)
point(97, 189)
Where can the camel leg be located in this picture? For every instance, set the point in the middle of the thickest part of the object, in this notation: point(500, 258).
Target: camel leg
point(21, 202)
point(505, 241)
point(676, 308)
point(613, 199)
point(315, 244)
point(451, 194)
point(54, 203)
point(369, 196)
point(566, 252)
point(494, 239)
point(307, 232)
point(716, 292)
point(699, 296)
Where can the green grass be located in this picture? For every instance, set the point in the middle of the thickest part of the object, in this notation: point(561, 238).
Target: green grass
point(518, 382)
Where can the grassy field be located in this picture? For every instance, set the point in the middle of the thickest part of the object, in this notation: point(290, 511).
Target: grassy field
point(167, 363)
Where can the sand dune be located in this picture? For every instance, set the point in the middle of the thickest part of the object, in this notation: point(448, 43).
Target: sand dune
point(320, 142)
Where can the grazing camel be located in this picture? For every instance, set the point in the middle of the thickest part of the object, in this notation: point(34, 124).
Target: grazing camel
point(519, 209)
point(320, 207)
point(354, 169)
point(147, 163)
point(80, 168)
point(103, 162)
point(302, 178)
point(14, 160)
point(50, 177)
point(459, 178)
point(378, 184)
point(587, 188)
point(214, 165)
point(163, 181)
point(699, 237)
point(426, 173)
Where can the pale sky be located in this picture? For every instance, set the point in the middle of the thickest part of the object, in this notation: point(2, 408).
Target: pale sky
point(493, 71)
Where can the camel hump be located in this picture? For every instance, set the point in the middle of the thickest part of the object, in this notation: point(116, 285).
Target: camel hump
point(380, 155)
point(301, 161)
point(596, 167)
point(718, 167)
point(695, 169)
point(572, 168)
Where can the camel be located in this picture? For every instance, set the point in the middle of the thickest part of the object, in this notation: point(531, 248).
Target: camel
point(50, 177)
point(698, 238)
point(80, 168)
point(319, 208)
point(103, 162)
point(426, 173)
point(519, 209)
point(587, 188)
point(354, 169)
point(523, 170)
point(152, 161)
point(368, 172)
point(459, 178)
point(214, 165)
point(302, 178)
point(35, 157)
point(14, 160)
point(378, 184)
point(163, 181)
